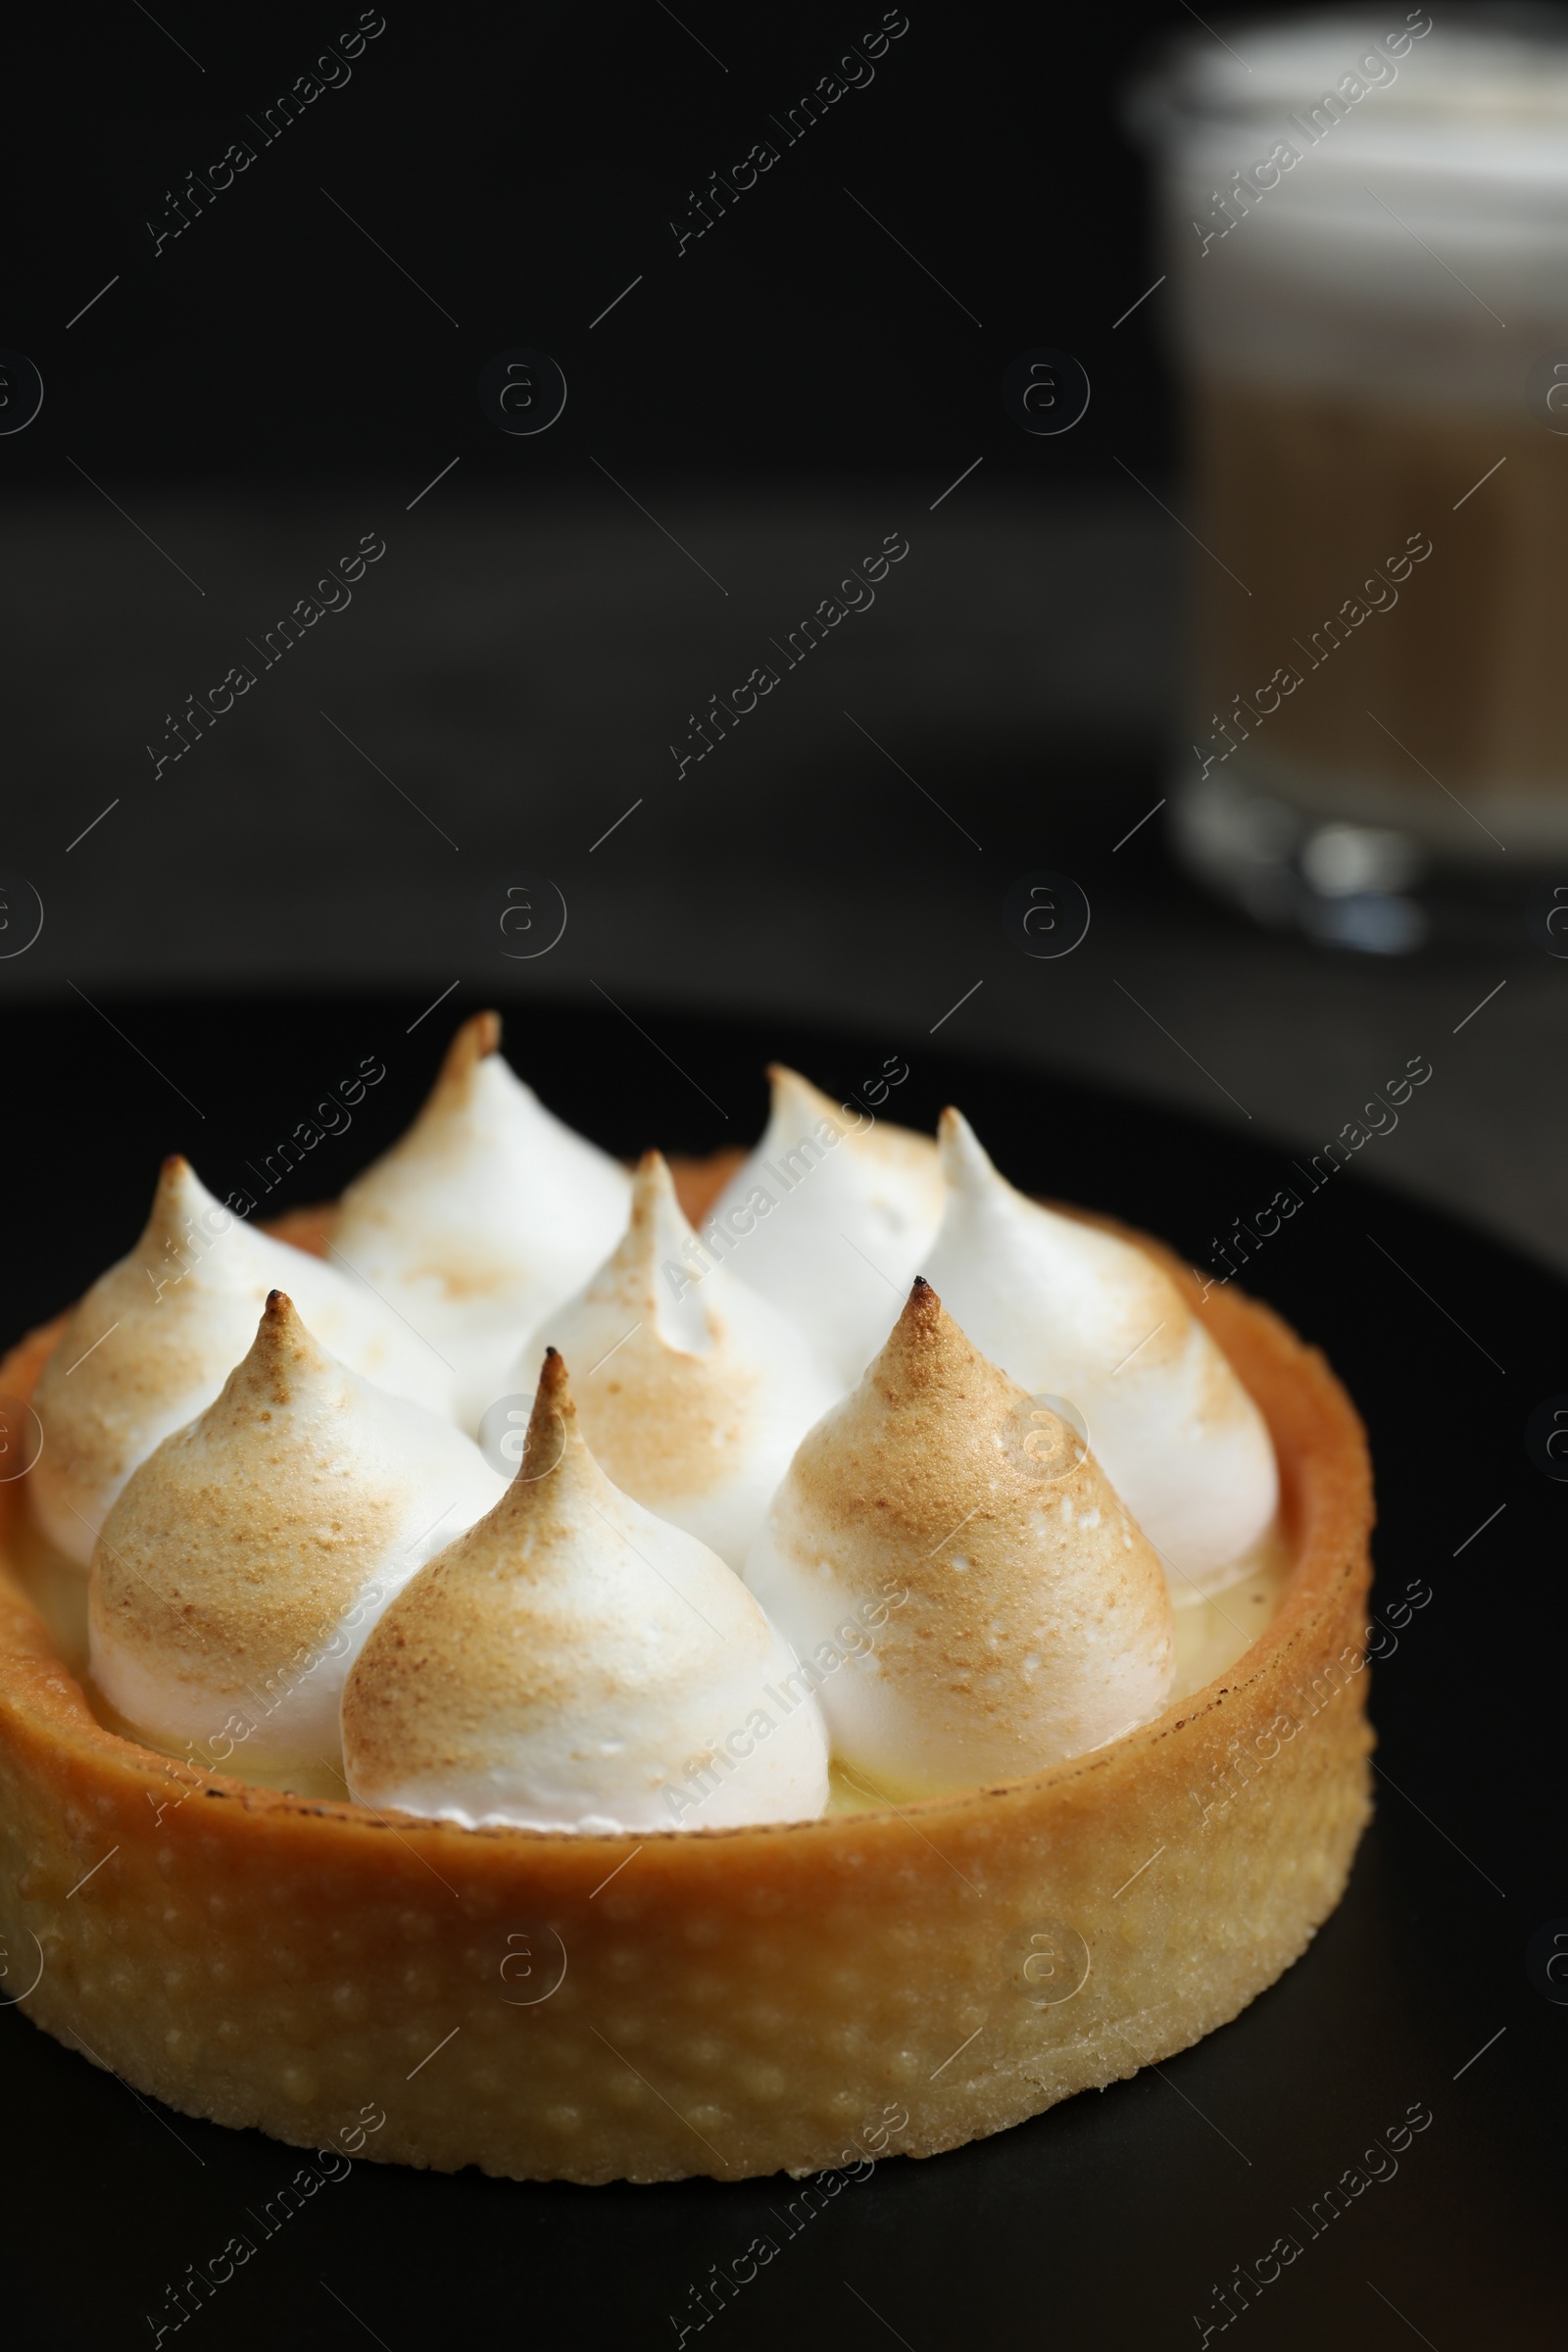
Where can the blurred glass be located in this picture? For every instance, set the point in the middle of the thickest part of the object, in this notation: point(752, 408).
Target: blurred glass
point(1364, 225)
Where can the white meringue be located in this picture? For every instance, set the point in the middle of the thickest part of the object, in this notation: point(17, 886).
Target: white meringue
point(574, 1663)
point(156, 1337)
point(238, 1574)
point(485, 1214)
point(1068, 1309)
point(976, 1602)
point(830, 1219)
point(697, 1391)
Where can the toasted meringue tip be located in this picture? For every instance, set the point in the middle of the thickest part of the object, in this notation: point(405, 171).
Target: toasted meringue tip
point(922, 1326)
point(476, 1037)
point(652, 1175)
point(280, 1319)
point(283, 1338)
point(175, 1169)
point(653, 1200)
point(786, 1082)
point(965, 1157)
point(553, 1419)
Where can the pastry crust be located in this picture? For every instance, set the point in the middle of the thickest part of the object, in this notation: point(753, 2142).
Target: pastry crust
point(729, 2002)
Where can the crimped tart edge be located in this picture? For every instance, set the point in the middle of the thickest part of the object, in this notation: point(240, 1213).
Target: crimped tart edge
point(734, 2002)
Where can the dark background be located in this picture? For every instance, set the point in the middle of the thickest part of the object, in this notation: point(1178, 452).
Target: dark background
point(523, 169)
point(508, 680)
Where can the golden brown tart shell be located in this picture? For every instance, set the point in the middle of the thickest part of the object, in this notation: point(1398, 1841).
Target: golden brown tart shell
point(724, 2002)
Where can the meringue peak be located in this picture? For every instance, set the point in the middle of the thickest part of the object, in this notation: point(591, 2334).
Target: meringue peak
point(1065, 1306)
point(839, 1208)
point(271, 1526)
point(556, 1486)
point(552, 1444)
point(697, 1391)
point(285, 1370)
point(1117, 1293)
point(476, 1098)
point(799, 1109)
point(287, 1367)
point(284, 1350)
point(472, 1042)
point(653, 1268)
point(152, 1340)
point(938, 1421)
point(929, 1365)
point(177, 1178)
point(487, 1211)
point(559, 1665)
point(1033, 1621)
point(797, 1101)
point(470, 1067)
point(922, 1310)
point(183, 1223)
point(552, 1423)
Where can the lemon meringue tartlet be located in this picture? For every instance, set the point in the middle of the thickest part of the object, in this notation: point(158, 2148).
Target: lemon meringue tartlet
point(960, 1797)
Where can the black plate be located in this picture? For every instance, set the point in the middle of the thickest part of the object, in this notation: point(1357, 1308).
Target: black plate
point(1112, 2220)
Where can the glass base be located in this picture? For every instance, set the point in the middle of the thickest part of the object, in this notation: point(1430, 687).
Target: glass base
point(1373, 890)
